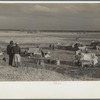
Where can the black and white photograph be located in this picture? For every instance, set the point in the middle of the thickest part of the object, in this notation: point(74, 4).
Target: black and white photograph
point(49, 42)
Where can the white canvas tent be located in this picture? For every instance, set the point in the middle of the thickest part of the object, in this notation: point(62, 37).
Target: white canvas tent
point(89, 57)
point(34, 51)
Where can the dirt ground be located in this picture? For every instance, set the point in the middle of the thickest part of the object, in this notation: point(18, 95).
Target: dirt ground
point(30, 71)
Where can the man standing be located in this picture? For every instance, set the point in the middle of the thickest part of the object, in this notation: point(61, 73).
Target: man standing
point(17, 52)
point(10, 52)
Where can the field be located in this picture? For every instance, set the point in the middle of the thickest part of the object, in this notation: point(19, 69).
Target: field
point(30, 71)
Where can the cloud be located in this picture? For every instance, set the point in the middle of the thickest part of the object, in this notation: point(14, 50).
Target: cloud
point(38, 8)
point(83, 7)
point(50, 16)
point(42, 8)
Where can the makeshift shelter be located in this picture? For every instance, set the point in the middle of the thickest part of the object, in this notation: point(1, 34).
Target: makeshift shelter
point(34, 51)
point(64, 46)
point(86, 59)
point(69, 46)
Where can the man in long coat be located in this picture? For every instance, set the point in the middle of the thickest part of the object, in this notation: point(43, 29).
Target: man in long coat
point(10, 52)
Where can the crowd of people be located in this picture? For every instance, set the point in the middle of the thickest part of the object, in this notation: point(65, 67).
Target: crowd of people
point(14, 51)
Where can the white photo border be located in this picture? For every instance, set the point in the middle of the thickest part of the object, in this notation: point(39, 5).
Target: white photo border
point(50, 90)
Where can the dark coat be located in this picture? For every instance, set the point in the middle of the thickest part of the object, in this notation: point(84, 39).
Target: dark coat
point(10, 49)
point(17, 50)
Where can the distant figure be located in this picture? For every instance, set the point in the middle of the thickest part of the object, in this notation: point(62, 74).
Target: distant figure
point(53, 47)
point(50, 46)
point(58, 62)
point(86, 50)
point(42, 53)
point(17, 52)
point(10, 52)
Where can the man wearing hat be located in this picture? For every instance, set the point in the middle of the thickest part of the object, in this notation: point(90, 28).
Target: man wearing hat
point(17, 52)
point(10, 52)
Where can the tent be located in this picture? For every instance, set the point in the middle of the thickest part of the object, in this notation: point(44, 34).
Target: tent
point(34, 51)
point(64, 46)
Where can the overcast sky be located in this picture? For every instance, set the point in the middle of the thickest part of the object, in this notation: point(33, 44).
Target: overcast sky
point(50, 16)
